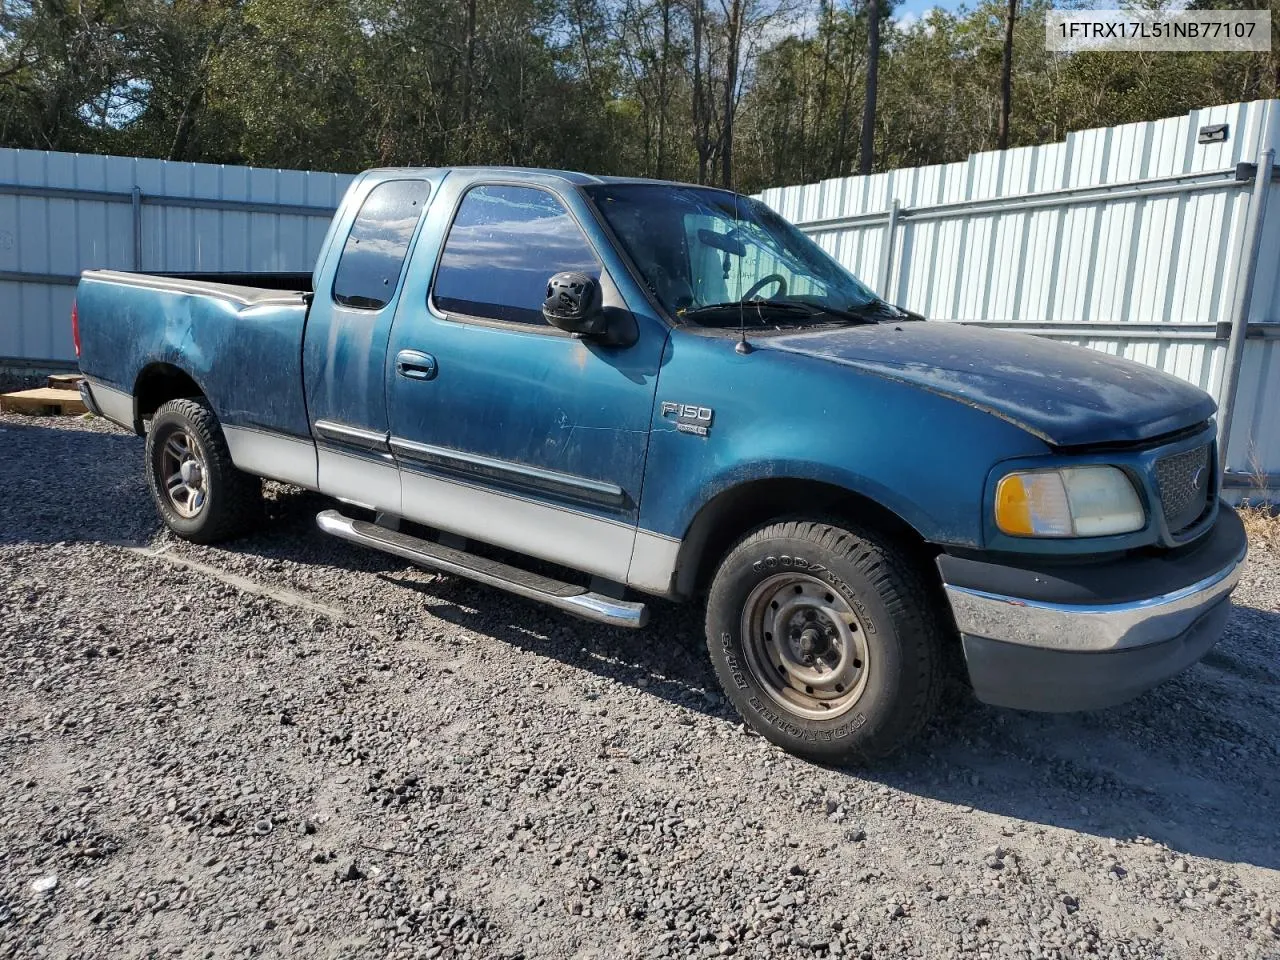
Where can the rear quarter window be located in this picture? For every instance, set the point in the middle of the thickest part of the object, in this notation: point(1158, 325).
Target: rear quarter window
point(373, 256)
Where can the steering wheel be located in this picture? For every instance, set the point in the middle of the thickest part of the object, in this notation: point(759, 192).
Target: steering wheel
point(760, 284)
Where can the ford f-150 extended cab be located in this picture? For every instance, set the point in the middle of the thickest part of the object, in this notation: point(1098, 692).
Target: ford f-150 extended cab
point(593, 391)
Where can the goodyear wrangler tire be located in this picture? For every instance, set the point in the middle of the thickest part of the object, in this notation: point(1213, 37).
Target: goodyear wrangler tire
point(198, 491)
point(826, 640)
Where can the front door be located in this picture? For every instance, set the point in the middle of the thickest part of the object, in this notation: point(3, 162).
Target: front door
point(506, 429)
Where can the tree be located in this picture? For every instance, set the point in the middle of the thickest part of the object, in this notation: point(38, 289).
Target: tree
point(702, 98)
point(651, 40)
point(468, 73)
point(733, 13)
point(866, 149)
point(65, 72)
point(1006, 77)
point(725, 91)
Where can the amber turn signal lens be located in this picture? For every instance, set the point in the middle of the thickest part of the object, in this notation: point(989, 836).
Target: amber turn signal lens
point(1033, 504)
point(1013, 513)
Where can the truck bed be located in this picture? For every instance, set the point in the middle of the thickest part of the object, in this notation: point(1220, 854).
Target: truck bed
point(237, 335)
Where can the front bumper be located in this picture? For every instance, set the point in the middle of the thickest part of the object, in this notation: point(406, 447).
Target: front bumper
point(1082, 637)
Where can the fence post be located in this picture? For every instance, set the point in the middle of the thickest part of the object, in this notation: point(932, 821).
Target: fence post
point(136, 196)
point(1243, 299)
point(886, 251)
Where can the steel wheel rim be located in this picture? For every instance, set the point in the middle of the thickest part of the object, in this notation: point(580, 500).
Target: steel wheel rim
point(183, 473)
point(806, 645)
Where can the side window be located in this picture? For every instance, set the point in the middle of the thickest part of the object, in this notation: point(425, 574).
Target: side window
point(369, 267)
point(503, 247)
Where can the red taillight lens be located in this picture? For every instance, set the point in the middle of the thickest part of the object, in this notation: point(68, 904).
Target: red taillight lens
point(75, 328)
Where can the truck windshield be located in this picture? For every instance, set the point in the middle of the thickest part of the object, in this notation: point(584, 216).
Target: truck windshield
point(715, 258)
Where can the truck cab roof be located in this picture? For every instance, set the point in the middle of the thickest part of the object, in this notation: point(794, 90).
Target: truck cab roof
point(532, 174)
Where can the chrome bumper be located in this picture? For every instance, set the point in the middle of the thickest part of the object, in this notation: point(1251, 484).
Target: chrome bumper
point(1093, 628)
point(1085, 636)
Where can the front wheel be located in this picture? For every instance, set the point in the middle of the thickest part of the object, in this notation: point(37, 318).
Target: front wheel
point(826, 640)
point(200, 494)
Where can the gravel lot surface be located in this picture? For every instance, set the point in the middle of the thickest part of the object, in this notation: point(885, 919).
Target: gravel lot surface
point(288, 746)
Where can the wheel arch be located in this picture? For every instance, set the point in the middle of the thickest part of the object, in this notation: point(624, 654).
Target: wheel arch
point(156, 384)
point(734, 512)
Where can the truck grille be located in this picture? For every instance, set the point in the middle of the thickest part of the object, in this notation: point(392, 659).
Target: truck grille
point(1185, 482)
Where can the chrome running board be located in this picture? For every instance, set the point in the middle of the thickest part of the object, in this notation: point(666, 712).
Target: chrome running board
point(492, 573)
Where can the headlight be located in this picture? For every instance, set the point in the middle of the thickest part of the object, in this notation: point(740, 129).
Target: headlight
point(1070, 502)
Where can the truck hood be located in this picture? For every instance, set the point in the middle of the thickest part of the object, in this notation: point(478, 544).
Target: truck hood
point(1065, 395)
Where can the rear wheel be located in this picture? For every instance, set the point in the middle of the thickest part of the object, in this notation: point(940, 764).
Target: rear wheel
point(826, 639)
point(200, 494)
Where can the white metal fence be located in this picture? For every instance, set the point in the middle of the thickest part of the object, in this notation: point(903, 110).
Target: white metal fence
point(61, 213)
point(1132, 240)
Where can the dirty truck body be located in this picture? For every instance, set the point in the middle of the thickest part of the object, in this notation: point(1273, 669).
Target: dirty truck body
point(593, 392)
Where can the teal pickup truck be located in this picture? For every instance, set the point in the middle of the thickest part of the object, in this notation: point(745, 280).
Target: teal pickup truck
point(595, 392)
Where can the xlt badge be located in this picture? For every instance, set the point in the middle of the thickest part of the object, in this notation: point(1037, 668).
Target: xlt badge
point(689, 417)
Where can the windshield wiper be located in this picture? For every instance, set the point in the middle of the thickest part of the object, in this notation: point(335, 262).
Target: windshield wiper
point(743, 306)
point(756, 310)
point(879, 307)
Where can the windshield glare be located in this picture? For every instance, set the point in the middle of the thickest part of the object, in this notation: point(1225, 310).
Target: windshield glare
point(698, 247)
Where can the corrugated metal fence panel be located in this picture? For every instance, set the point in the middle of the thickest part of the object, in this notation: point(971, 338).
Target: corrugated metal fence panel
point(1265, 307)
point(1171, 258)
point(1154, 259)
point(58, 236)
point(41, 235)
point(1255, 431)
point(183, 238)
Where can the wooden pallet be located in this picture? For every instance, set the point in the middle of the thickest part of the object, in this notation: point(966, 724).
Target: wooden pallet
point(64, 381)
point(43, 401)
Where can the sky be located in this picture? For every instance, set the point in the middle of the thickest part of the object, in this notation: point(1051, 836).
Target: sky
point(905, 12)
point(917, 8)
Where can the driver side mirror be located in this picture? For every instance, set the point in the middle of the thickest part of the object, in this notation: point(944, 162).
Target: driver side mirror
point(573, 304)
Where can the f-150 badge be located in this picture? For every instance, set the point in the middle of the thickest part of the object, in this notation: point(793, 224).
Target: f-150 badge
point(689, 418)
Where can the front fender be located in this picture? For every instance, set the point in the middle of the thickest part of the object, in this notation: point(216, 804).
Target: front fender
point(921, 455)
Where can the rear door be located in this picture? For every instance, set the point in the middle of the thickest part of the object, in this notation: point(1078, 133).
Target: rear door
point(345, 347)
point(505, 428)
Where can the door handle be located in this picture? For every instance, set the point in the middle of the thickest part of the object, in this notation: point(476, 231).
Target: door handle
point(416, 365)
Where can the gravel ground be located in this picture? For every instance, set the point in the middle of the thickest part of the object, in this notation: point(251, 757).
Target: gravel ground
point(288, 746)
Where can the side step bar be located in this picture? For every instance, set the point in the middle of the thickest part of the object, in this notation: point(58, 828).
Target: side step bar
point(556, 593)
